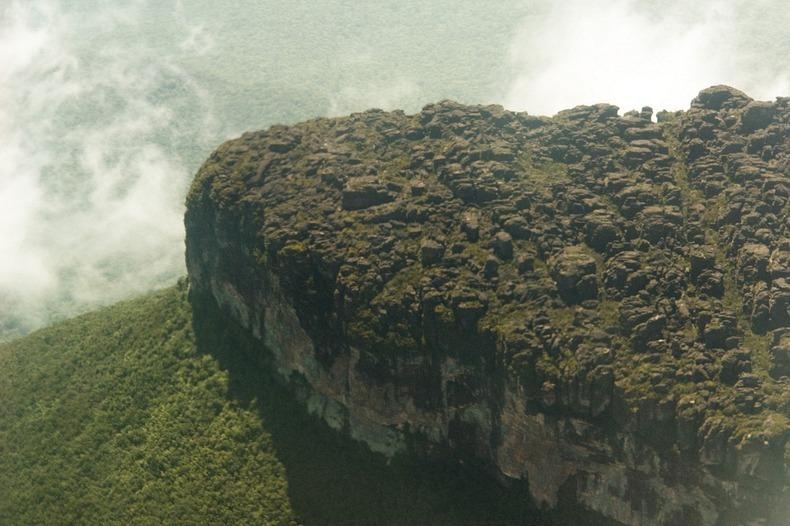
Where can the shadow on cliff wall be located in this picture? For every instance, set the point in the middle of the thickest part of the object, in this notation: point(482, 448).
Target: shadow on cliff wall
point(333, 480)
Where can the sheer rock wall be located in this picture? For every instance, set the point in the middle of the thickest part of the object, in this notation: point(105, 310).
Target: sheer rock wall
point(596, 304)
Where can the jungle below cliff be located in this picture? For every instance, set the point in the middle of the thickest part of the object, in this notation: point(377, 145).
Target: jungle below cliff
point(159, 410)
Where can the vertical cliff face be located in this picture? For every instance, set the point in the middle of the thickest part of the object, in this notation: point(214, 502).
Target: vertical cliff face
point(596, 304)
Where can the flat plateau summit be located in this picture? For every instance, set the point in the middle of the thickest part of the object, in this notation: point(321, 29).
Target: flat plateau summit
point(597, 305)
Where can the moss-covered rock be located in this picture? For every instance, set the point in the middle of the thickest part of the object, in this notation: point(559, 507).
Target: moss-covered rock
point(613, 278)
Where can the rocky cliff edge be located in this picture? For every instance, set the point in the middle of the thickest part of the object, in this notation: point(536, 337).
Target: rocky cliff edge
point(596, 304)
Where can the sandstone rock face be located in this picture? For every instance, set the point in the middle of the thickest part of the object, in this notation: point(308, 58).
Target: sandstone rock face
point(598, 305)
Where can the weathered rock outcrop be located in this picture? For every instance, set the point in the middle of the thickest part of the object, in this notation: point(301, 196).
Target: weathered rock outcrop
point(596, 304)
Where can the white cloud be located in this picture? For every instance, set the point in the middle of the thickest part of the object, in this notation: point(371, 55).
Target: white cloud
point(91, 175)
point(198, 41)
point(634, 53)
point(384, 95)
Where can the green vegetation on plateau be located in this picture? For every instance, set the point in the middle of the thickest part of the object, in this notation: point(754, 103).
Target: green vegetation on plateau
point(129, 415)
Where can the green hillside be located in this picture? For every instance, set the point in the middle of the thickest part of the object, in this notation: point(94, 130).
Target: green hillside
point(128, 415)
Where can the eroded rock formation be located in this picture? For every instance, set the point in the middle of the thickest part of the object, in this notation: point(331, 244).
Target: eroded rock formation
point(596, 304)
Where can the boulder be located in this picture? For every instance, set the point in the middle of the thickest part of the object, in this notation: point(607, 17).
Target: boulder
point(720, 97)
point(701, 258)
point(574, 272)
point(470, 225)
point(431, 252)
point(757, 115)
point(780, 359)
point(502, 244)
point(364, 192)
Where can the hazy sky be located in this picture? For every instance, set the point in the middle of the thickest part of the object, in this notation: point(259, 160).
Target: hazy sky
point(107, 111)
point(659, 53)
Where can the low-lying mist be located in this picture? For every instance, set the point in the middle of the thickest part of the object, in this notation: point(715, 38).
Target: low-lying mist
point(107, 111)
point(94, 151)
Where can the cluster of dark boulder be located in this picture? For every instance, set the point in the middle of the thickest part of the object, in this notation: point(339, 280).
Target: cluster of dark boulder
point(630, 272)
